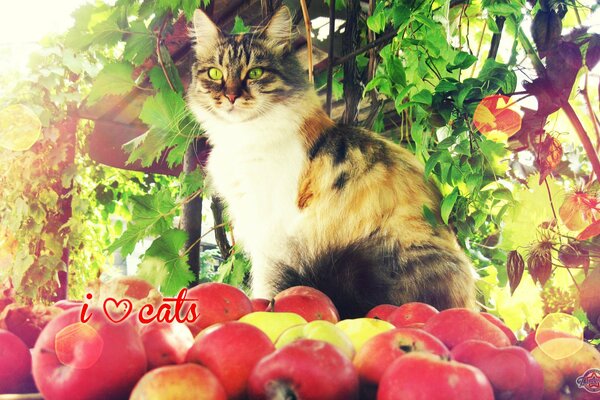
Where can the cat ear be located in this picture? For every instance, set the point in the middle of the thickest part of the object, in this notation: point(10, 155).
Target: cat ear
point(205, 32)
point(279, 30)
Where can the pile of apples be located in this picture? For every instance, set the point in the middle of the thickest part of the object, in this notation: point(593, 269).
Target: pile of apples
point(291, 347)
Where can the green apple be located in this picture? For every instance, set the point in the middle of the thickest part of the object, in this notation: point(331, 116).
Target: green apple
point(272, 323)
point(318, 330)
point(360, 330)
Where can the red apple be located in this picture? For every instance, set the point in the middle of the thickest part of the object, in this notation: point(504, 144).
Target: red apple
point(512, 371)
point(217, 302)
point(230, 351)
point(376, 355)
point(179, 382)
point(15, 362)
point(68, 304)
point(456, 325)
point(166, 343)
point(498, 322)
point(534, 338)
point(411, 313)
point(311, 308)
point(308, 302)
point(98, 359)
point(424, 376)
point(305, 369)
point(27, 321)
point(260, 304)
point(381, 311)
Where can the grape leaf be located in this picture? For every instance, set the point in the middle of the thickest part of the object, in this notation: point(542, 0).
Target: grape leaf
point(448, 205)
point(176, 272)
point(113, 79)
point(139, 45)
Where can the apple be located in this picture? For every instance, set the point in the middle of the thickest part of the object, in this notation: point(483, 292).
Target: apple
point(534, 338)
point(359, 330)
point(305, 369)
point(27, 321)
point(318, 330)
point(562, 374)
point(456, 325)
point(307, 302)
point(165, 343)
point(217, 302)
point(230, 350)
point(424, 376)
point(121, 287)
point(498, 322)
point(68, 304)
point(381, 311)
point(412, 313)
point(98, 359)
point(259, 304)
point(15, 362)
point(272, 323)
point(179, 382)
point(378, 353)
point(512, 371)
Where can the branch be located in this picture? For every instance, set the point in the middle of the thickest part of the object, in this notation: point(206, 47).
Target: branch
point(220, 236)
point(330, 56)
point(309, 45)
point(495, 43)
point(158, 55)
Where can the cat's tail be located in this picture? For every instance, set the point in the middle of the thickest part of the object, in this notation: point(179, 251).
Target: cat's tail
point(371, 272)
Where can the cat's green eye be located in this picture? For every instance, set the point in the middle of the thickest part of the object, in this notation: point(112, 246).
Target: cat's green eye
point(215, 74)
point(255, 73)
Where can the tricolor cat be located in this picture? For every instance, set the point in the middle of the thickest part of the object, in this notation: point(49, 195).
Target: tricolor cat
point(314, 203)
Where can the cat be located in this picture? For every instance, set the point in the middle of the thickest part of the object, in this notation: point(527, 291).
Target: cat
point(338, 208)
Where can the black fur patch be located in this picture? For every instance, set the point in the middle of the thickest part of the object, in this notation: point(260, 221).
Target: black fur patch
point(341, 181)
point(370, 272)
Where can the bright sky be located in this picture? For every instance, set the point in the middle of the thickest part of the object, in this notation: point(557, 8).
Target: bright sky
point(24, 22)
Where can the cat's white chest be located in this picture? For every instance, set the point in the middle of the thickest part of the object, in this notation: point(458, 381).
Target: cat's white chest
point(256, 168)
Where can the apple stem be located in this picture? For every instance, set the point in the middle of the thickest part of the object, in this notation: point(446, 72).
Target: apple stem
point(279, 390)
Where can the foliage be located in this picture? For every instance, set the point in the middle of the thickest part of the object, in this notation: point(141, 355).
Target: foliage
point(508, 192)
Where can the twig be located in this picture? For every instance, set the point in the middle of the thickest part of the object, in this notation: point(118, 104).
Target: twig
point(158, 52)
point(330, 57)
point(590, 109)
point(309, 46)
point(495, 43)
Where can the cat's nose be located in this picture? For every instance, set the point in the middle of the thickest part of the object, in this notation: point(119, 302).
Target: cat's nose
point(231, 97)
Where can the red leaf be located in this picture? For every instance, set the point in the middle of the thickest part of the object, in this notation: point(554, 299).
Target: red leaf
point(579, 210)
point(549, 153)
point(495, 118)
point(590, 232)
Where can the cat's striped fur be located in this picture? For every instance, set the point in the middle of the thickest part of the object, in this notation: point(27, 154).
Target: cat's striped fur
point(315, 203)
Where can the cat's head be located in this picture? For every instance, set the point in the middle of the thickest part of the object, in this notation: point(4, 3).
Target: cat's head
point(240, 77)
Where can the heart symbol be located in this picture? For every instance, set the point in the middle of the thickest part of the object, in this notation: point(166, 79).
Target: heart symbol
point(115, 309)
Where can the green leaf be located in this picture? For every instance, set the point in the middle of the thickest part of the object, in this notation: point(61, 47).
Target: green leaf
point(395, 70)
point(239, 26)
point(423, 97)
point(505, 9)
point(463, 60)
point(168, 248)
point(152, 214)
point(448, 205)
point(189, 6)
point(430, 216)
point(113, 79)
point(377, 22)
point(140, 44)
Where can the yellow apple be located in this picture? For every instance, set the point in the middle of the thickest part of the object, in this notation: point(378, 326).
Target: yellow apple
point(360, 330)
point(272, 323)
point(563, 372)
point(179, 382)
point(318, 330)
